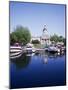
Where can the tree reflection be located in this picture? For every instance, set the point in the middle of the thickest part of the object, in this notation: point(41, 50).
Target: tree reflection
point(22, 62)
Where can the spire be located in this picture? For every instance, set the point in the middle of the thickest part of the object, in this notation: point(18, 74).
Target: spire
point(44, 28)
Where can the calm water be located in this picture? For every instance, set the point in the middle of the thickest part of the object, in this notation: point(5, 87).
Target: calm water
point(37, 70)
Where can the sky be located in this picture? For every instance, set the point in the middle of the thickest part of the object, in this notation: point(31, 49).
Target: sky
point(35, 15)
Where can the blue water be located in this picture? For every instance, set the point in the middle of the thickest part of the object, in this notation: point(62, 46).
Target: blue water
point(37, 71)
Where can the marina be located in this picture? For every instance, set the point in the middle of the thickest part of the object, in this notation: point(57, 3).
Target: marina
point(37, 45)
point(16, 50)
point(41, 64)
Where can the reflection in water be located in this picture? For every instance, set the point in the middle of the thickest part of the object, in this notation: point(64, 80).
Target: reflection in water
point(53, 55)
point(32, 54)
point(42, 69)
point(45, 59)
point(15, 56)
point(22, 61)
point(46, 55)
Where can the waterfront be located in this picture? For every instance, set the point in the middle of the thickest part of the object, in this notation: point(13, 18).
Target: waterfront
point(31, 70)
point(38, 29)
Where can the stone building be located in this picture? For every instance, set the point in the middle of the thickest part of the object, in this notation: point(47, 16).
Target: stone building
point(44, 38)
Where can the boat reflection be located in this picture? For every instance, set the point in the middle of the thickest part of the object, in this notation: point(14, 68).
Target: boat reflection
point(32, 54)
point(47, 56)
point(22, 61)
point(15, 56)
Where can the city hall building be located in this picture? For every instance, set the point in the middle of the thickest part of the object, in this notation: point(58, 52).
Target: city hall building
point(44, 38)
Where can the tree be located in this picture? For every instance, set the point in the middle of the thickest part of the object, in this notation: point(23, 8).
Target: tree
point(35, 42)
point(13, 38)
point(64, 41)
point(20, 35)
point(57, 38)
point(54, 38)
point(21, 62)
point(61, 39)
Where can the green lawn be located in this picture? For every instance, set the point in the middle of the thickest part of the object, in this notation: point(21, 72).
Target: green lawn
point(38, 46)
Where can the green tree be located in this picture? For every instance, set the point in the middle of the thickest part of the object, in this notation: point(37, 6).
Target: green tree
point(13, 38)
point(35, 42)
point(64, 41)
point(61, 39)
point(57, 38)
point(22, 62)
point(20, 35)
point(54, 38)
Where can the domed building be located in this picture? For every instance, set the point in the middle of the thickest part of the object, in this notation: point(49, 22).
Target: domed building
point(45, 39)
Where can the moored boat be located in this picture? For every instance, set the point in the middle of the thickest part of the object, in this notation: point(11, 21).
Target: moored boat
point(15, 51)
point(30, 48)
point(53, 49)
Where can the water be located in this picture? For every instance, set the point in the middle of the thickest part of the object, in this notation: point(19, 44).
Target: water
point(30, 70)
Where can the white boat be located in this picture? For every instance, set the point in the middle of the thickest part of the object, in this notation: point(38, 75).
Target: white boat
point(15, 51)
point(53, 49)
point(17, 47)
point(15, 54)
point(30, 48)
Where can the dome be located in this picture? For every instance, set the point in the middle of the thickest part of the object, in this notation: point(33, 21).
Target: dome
point(45, 34)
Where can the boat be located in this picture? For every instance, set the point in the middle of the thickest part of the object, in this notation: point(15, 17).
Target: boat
point(15, 56)
point(62, 48)
point(15, 50)
point(15, 53)
point(53, 49)
point(30, 48)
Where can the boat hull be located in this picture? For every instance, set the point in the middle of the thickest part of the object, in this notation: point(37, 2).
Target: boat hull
point(15, 51)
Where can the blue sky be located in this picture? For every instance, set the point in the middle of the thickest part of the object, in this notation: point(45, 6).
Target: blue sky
point(36, 15)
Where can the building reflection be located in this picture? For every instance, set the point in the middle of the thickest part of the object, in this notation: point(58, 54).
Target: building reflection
point(22, 61)
point(45, 59)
